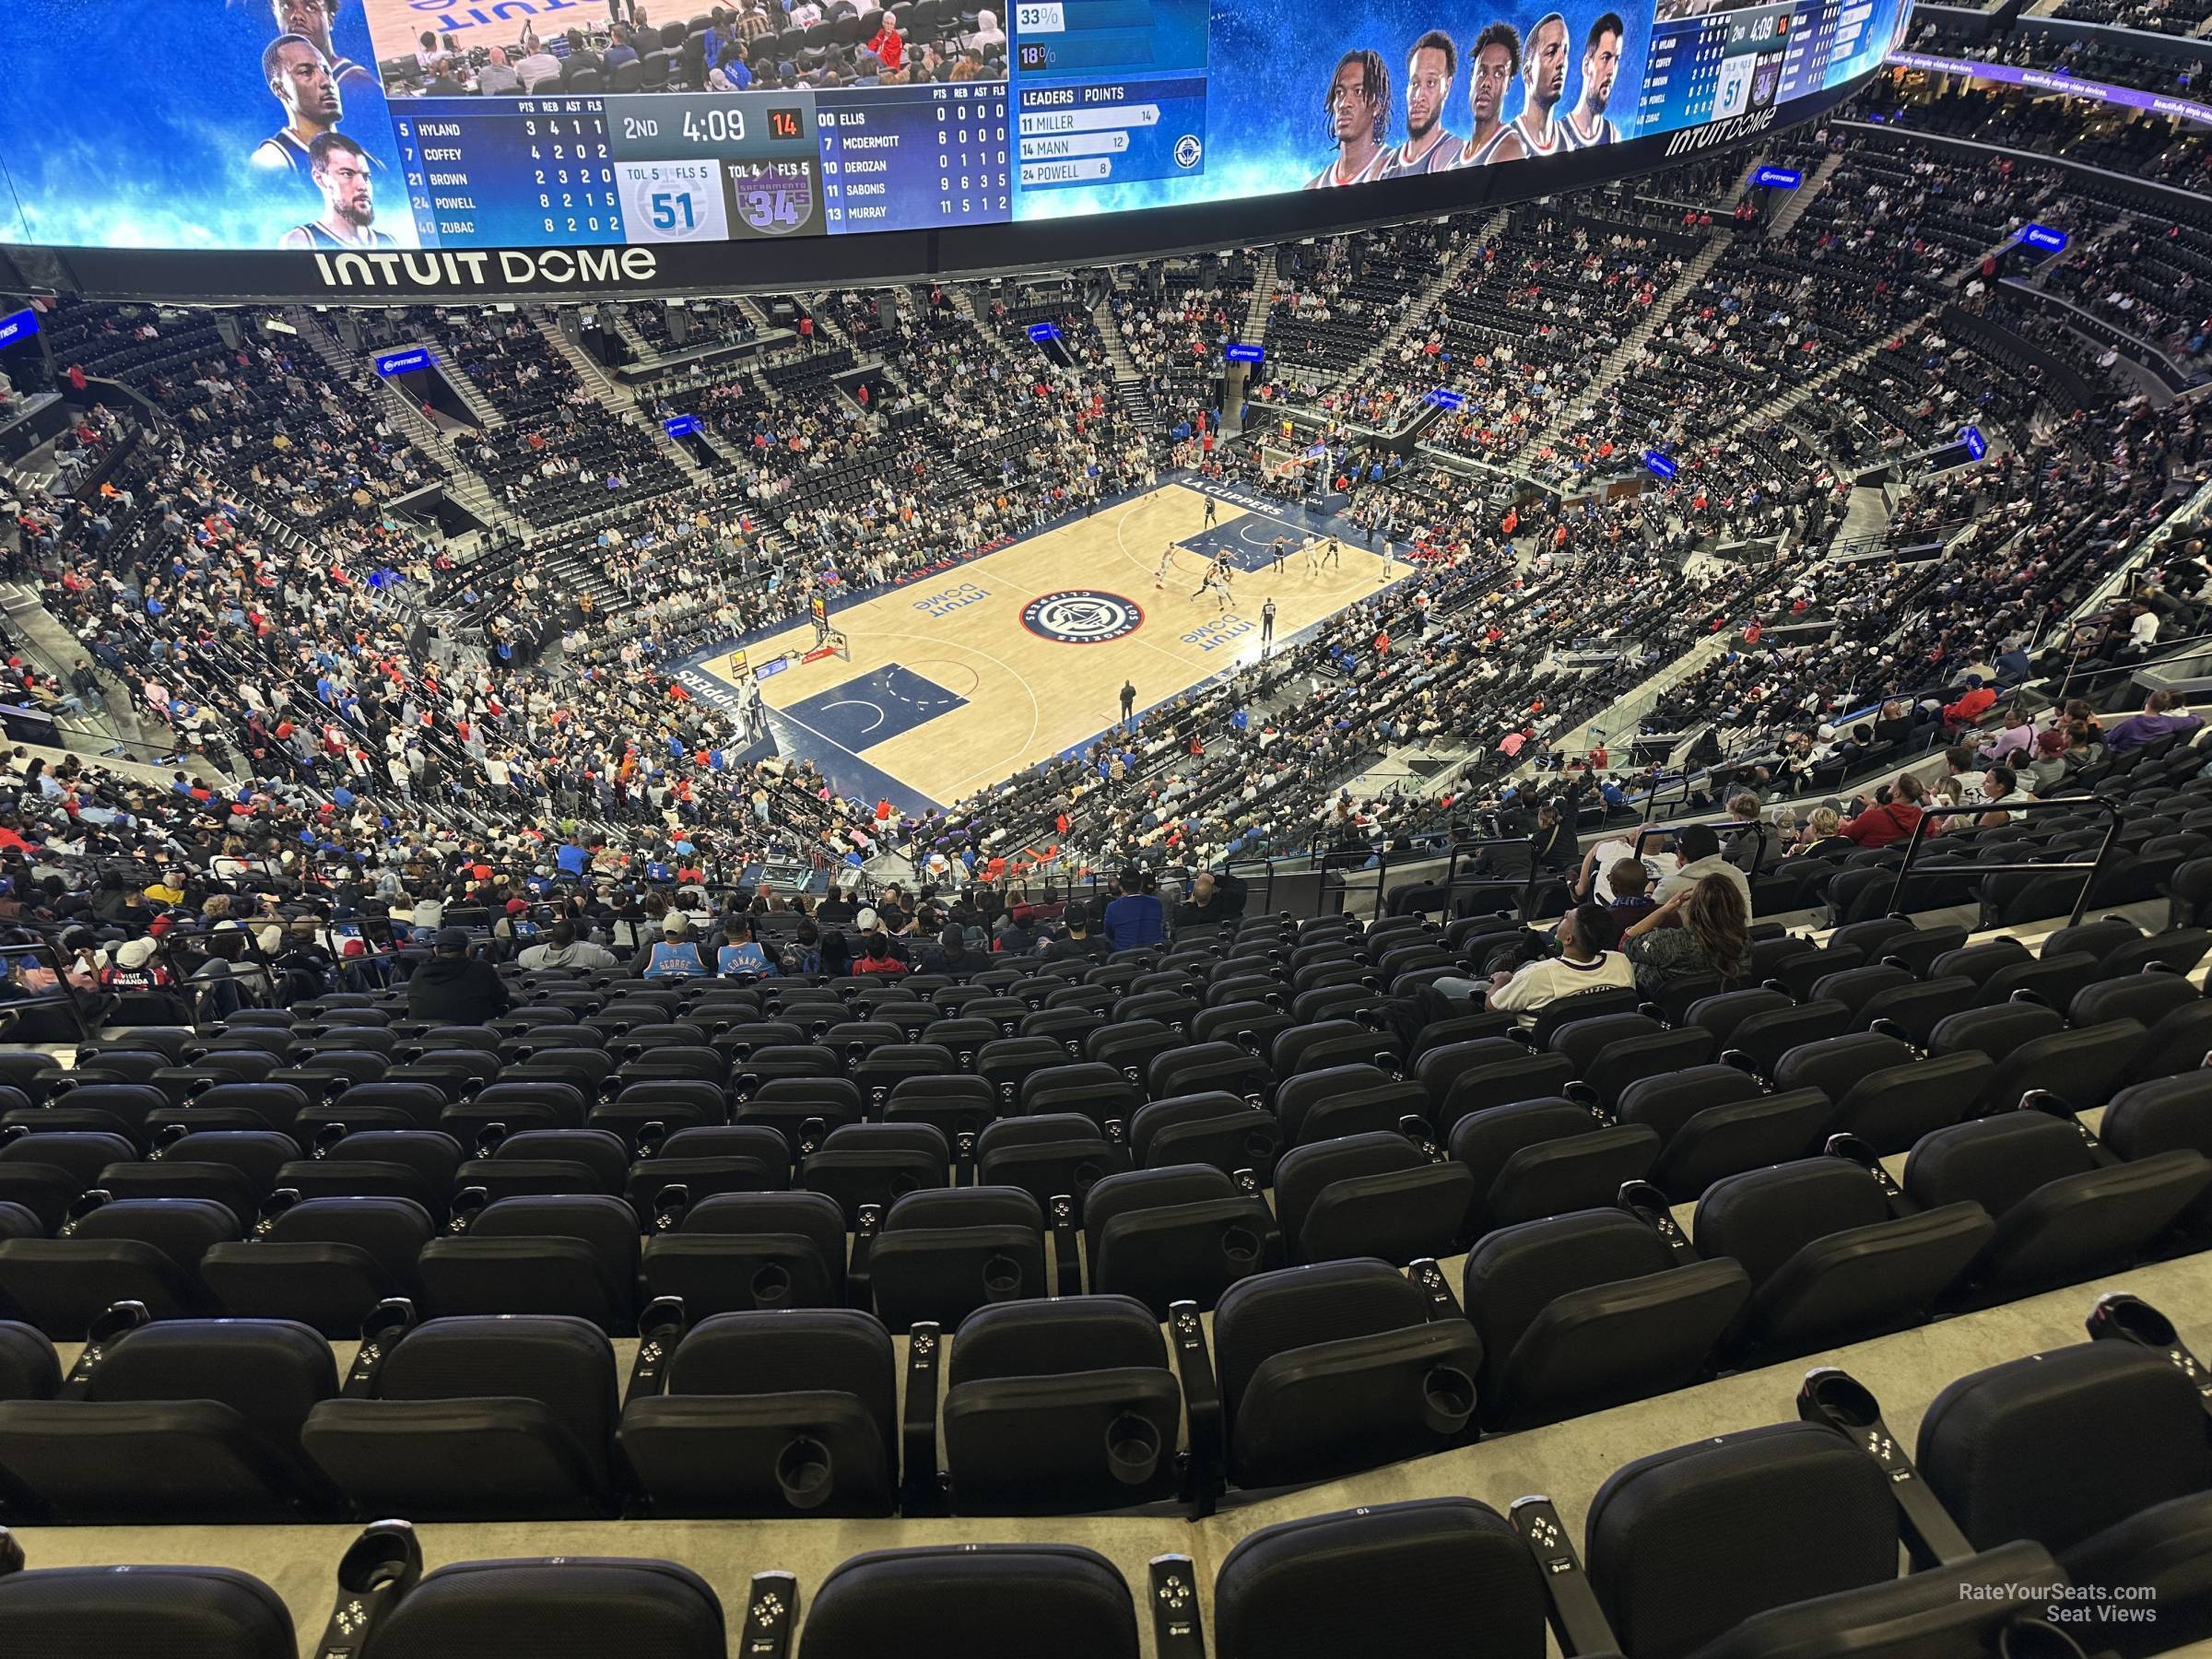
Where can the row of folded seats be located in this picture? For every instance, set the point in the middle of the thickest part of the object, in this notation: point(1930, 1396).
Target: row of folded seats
point(757, 1393)
point(2052, 1506)
point(941, 1202)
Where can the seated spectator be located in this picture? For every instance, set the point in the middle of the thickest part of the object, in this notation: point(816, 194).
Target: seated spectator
point(1552, 847)
point(1976, 702)
point(1698, 856)
point(1746, 834)
point(1078, 943)
point(1587, 961)
point(1705, 930)
point(453, 987)
point(951, 954)
point(1823, 833)
point(1136, 918)
point(740, 951)
point(1631, 883)
point(878, 955)
point(675, 955)
point(1205, 906)
point(1999, 784)
point(2047, 768)
point(2016, 738)
point(1891, 816)
point(561, 948)
point(2157, 721)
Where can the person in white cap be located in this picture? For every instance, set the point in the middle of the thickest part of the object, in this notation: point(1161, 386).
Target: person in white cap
point(134, 969)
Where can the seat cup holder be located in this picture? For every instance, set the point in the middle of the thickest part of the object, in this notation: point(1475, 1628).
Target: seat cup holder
point(1241, 1245)
point(2036, 1639)
point(804, 1472)
point(1002, 1278)
point(771, 1286)
point(1131, 1449)
point(1447, 1399)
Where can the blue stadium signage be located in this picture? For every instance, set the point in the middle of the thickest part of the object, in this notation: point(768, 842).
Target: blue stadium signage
point(1444, 397)
point(1042, 332)
point(15, 329)
point(2043, 236)
point(1660, 465)
point(405, 362)
point(1778, 178)
point(1972, 438)
point(681, 426)
point(1238, 352)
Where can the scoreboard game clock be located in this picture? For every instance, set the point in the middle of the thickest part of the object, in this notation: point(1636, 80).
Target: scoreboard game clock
point(710, 165)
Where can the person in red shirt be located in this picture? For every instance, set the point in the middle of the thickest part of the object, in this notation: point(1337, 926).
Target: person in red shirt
point(886, 44)
point(1878, 826)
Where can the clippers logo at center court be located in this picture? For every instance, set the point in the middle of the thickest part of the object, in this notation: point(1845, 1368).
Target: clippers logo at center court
point(1081, 617)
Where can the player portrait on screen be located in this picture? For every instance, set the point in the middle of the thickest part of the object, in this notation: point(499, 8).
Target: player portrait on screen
point(311, 21)
point(1586, 126)
point(340, 170)
point(1357, 107)
point(1543, 83)
point(299, 76)
point(1493, 65)
point(1430, 68)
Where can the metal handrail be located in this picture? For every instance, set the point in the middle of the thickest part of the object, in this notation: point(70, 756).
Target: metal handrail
point(2093, 868)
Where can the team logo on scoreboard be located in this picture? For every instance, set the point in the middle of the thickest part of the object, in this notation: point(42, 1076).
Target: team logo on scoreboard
point(1081, 617)
point(1188, 151)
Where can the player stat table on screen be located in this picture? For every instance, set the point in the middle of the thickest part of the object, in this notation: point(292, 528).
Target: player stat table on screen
point(1109, 91)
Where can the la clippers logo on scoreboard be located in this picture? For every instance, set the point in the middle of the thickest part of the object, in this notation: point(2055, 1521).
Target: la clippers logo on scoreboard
point(1082, 616)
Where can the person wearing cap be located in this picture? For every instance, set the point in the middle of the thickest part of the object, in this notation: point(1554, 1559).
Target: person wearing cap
point(453, 987)
point(134, 967)
point(1078, 944)
point(676, 954)
point(1017, 934)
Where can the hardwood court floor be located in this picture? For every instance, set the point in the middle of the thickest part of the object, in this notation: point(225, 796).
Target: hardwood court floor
point(959, 680)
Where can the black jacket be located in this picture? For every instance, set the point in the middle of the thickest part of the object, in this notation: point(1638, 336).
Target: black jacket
point(456, 990)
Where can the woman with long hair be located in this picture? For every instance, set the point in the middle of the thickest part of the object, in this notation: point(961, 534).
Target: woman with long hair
point(1703, 929)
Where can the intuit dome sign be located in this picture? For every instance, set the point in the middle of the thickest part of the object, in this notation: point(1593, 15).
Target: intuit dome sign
point(491, 270)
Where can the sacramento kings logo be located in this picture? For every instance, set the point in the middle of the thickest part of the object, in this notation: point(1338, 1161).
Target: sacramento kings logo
point(1081, 617)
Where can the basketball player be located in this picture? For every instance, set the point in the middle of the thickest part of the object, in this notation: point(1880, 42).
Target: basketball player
point(1429, 70)
point(1496, 60)
point(1543, 83)
point(299, 78)
point(1332, 557)
point(312, 20)
point(1586, 126)
point(1275, 553)
point(1358, 108)
point(1167, 563)
point(1209, 510)
point(1312, 555)
point(340, 170)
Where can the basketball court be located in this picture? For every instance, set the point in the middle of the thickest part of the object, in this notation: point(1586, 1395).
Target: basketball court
point(960, 679)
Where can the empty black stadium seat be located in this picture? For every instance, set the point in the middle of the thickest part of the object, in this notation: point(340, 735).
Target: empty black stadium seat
point(954, 1601)
point(788, 1413)
point(323, 1262)
point(180, 1420)
point(1331, 1368)
point(732, 1252)
point(143, 1249)
point(477, 1419)
point(177, 1612)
